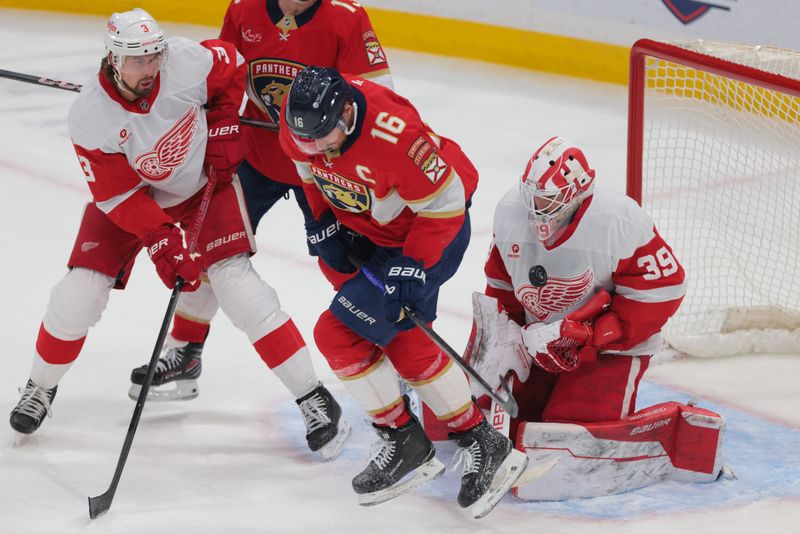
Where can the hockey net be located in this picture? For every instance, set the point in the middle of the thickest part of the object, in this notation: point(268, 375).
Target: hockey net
point(714, 157)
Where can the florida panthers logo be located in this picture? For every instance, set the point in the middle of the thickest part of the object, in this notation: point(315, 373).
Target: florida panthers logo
point(170, 151)
point(268, 84)
point(556, 296)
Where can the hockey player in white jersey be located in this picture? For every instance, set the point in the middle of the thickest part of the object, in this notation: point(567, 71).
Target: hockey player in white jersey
point(161, 116)
point(579, 286)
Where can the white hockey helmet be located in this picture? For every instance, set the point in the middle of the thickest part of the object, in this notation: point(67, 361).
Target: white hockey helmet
point(133, 33)
point(556, 181)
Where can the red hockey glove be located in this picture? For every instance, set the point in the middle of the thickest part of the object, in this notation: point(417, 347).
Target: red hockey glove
point(165, 247)
point(562, 346)
point(225, 148)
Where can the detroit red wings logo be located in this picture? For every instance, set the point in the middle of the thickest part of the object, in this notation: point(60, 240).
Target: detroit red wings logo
point(170, 151)
point(556, 296)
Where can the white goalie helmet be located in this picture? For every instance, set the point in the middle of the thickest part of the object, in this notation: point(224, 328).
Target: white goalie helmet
point(556, 181)
point(133, 33)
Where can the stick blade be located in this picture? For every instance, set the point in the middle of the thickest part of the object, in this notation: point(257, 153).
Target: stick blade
point(99, 505)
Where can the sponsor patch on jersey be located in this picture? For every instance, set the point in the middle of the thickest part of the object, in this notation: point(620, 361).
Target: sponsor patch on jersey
point(434, 167)
point(556, 296)
point(251, 35)
point(419, 148)
point(268, 82)
point(514, 253)
point(342, 193)
point(375, 53)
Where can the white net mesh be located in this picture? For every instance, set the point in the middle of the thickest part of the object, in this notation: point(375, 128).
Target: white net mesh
point(721, 178)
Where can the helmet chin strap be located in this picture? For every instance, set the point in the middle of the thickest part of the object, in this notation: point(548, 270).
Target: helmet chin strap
point(352, 127)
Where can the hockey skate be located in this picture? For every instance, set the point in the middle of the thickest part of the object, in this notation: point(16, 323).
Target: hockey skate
point(491, 467)
point(28, 414)
point(402, 459)
point(326, 430)
point(176, 374)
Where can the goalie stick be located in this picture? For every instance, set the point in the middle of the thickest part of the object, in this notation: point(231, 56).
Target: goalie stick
point(75, 88)
point(508, 404)
point(101, 504)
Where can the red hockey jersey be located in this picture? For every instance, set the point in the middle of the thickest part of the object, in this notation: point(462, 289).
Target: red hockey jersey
point(611, 244)
point(332, 33)
point(394, 180)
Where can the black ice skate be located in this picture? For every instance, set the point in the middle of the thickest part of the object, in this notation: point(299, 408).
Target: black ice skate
point(34, 404)
point(401, 460)
point(176, 374)
point(326, 431)
point(491, 467)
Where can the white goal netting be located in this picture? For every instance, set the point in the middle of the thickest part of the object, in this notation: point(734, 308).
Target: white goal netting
point(720, 175)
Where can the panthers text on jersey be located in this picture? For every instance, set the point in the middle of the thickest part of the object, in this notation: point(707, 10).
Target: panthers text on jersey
point(394, 180)
point(331, 33)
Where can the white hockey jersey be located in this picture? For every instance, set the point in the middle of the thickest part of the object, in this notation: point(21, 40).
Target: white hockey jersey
point(611, 244)
point(152, 149)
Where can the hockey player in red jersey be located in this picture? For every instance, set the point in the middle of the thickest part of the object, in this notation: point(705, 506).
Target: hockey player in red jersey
point(369, 163)
point(277, 39)
point(148, 130)
point(579, 286)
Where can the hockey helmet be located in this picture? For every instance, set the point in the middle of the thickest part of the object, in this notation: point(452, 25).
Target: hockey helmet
point(556, 181)
point(315, 104)
point(133, 33)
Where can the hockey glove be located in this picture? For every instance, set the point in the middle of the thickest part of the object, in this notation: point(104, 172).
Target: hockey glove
point(404, 285)
point(225, 148)
point(329, 239)
point(563, 345)
point(165, 247)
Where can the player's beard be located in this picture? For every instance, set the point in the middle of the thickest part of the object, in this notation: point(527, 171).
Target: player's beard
point(140, 92)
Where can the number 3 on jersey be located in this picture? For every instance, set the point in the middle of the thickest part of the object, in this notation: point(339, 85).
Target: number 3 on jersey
point(660, 265)
point(87, 168)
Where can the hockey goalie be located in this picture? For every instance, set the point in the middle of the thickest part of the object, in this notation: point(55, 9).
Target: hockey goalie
point(579, 285)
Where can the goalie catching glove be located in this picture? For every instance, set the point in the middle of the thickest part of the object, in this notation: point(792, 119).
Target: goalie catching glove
point(561, 346)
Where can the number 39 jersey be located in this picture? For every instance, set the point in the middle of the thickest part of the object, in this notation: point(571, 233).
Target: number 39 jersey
point(611, 244)
point(394, 180)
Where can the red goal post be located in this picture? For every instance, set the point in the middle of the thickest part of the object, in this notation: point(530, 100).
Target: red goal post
point(714, 157)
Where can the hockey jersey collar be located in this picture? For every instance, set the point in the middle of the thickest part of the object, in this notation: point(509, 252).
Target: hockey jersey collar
point(276, 15)
point(140, 105)
point(572, 226)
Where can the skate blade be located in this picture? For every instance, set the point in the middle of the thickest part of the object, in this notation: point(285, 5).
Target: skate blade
point(537, 471)
point(19, 439)
point(332, 449)
point(172, 391)
point(427, 472)
point(508, 473)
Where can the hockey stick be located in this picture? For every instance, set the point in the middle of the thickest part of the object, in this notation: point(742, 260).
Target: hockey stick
point(508, 403)
point(75, 88)
point(100, 504)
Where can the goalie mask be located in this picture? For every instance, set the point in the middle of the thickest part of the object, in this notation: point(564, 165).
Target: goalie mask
point(133, 33)
point(555, 183)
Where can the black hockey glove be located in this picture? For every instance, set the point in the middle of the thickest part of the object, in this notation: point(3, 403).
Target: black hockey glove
point(330, 240)
point(405, 285)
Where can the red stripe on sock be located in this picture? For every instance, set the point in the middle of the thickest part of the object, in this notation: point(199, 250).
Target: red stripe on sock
point(184, 329)
point(57, 351)
point(394, 417)
point(465, 420)
point(280, 344)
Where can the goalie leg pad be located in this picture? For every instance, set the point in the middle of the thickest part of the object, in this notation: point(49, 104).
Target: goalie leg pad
point(668, 441)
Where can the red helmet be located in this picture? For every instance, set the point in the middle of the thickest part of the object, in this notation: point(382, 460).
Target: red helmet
point(555, 183)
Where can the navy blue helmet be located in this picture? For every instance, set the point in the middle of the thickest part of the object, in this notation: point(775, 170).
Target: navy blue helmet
point(316, 101)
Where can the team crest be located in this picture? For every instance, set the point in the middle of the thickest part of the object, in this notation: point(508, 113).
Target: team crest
point(556, 296)
point(342, 193)
point(171, 149)
point(434, 167)
point(268, 83)
point(375, 53)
